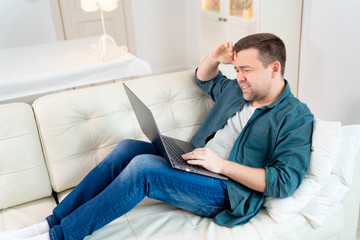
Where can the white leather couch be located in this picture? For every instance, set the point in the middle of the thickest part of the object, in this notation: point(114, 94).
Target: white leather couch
point(47, 148)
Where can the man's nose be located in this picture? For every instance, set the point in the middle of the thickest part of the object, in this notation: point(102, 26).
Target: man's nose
point(240, 76)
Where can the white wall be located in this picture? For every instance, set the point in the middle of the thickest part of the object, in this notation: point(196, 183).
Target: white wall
point(162, 31)
point(192, 15)
point(283, 18)
point(330, 59)
point(26, 22)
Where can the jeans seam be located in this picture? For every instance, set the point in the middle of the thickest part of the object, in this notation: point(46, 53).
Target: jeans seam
point(50, 222)
point(100, 218)
point(205, 193)
point(213, 208)
point(52, 234)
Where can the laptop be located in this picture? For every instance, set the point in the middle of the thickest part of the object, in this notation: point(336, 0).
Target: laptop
point(169, 148)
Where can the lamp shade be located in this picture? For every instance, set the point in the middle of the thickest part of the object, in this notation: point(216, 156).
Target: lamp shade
point(94, 5)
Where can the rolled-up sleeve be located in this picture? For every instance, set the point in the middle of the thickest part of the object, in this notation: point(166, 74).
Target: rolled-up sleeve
point(291, 157)
point(215, 86)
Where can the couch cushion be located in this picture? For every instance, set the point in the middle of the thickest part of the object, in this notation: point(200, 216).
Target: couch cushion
point(176, 101)
point(23, 174)
point(79, 128)
point(298, 227)
point(153, 219)
point(26, 214)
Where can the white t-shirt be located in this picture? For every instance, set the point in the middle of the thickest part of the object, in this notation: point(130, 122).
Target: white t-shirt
point(225, 138)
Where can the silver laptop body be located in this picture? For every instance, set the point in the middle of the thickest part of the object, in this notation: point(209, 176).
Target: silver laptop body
point(169, 148)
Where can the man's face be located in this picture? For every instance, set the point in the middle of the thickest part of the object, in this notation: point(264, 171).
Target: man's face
point(254, 79)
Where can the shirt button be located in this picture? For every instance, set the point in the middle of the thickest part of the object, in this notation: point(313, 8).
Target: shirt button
point(241, 105)
point(264, 131)
point(226, 119)
point(212, 132)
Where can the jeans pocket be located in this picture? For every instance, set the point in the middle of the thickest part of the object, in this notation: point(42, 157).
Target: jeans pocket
point(209, 211)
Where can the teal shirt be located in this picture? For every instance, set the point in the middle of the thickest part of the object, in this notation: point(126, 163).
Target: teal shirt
point(277, 138)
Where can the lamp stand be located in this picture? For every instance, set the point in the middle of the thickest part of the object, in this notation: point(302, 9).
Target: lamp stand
point(107, 43)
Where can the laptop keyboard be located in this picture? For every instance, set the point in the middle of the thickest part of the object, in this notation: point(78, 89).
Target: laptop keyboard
point(175, 151)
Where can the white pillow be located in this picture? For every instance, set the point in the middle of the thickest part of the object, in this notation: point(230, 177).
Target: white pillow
point(322, 205)
point(325, 144)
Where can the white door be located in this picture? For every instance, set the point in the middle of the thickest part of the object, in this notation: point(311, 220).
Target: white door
point(226, 20)
point(78, 24)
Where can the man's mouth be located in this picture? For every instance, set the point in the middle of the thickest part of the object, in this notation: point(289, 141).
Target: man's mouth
point(244, 87)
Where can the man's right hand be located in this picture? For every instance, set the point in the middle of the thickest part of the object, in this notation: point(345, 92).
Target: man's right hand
point(209, 68)
point(223, 53)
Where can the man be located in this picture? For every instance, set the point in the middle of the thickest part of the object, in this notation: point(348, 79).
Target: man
point(257, 133)
point(268, 149)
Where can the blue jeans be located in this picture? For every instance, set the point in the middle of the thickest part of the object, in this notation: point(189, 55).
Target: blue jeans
point(132, 171)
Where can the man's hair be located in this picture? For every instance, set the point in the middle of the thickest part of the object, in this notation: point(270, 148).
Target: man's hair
point(271, 48)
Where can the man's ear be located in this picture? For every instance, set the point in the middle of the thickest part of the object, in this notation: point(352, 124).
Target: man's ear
point(276, 68)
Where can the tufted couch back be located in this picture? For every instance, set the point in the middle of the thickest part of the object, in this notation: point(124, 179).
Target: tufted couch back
point(21, 157)
point(25, 188)
point(79, 128)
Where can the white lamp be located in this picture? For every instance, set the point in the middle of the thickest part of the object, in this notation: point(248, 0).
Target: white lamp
point(103, 5)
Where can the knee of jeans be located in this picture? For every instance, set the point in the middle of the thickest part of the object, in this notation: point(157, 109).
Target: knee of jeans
point(126, 143)
point(122, 148)
point(113, 159)
point(146, 165)
point(141, 163)
point(134, 147)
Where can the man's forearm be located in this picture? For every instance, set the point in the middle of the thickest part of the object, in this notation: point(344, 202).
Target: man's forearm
point(253, 178)
point(208, 69)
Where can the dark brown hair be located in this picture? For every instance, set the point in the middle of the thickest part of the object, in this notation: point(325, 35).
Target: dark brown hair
point(271, 48)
